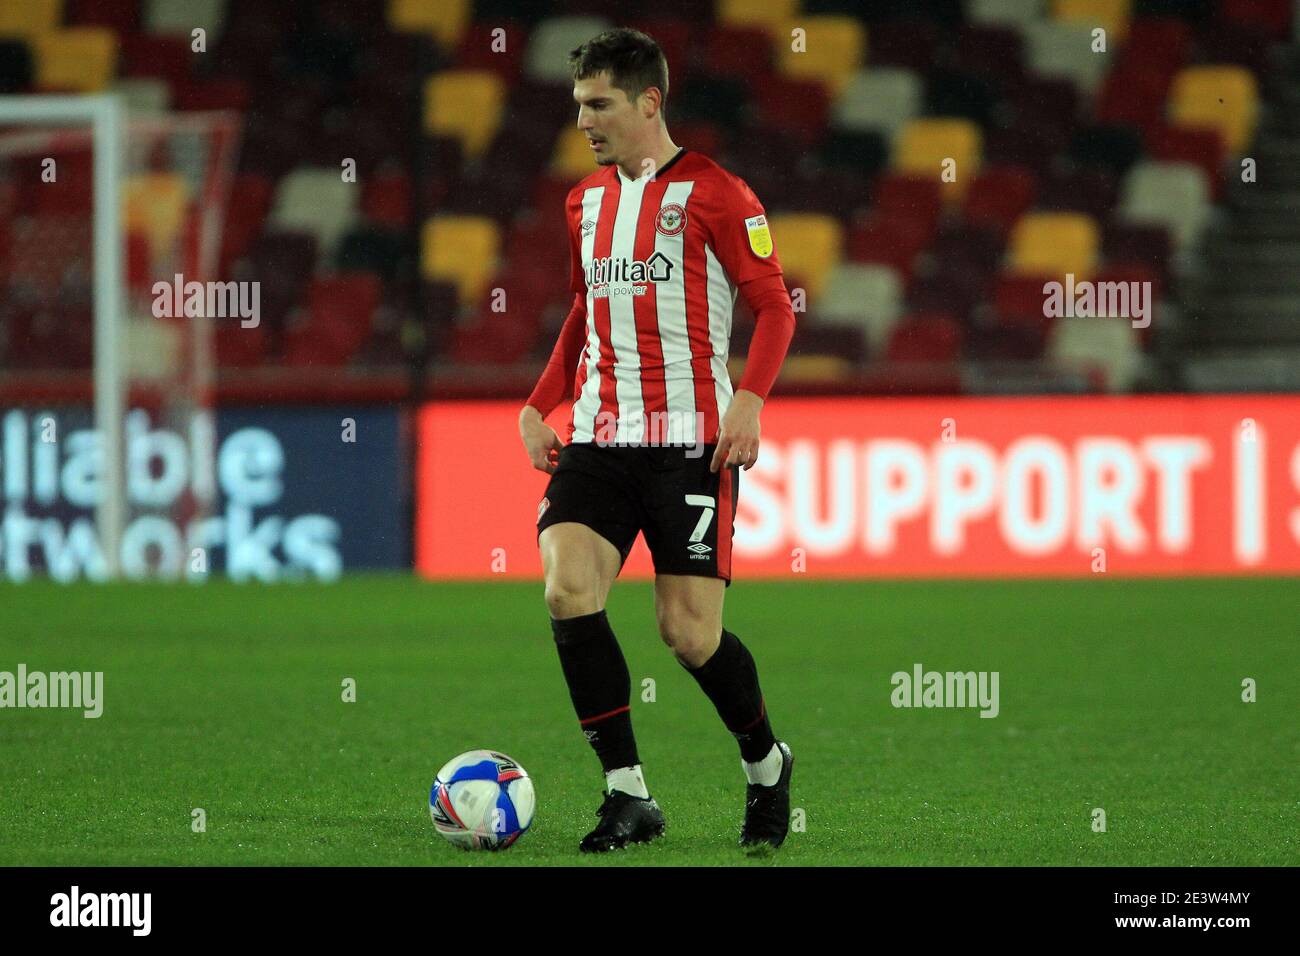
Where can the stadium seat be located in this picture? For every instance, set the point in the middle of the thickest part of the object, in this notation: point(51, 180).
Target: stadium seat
point(1110, 15)
point(999, 196)
point(339, 317)
point(910, 43)
point(809, 245)
point(547, 58)
point(994, 52)
point(864, 296)
point(465, 104)
point(80, 59)
point(1133, 94)
point(796, 109)
point(183, 17)
point(773, 15)
point(814, 370)
point(1163, 42)
point(924, 145)
point(30, 18)
point(878, 99)
point(1199, 146)
point(733, 51)
point(1019, 300)
point(925, 337)
point(1090, 191)
point(16, 68)
point(916, 199)
point(835, 46)
point(1173, 195)
point(120, 16)
point(155, 207)
point(460, 249)
point(1221, 98)
point(1061, 49)
point(1108, 346)
point(893, 242)
point(1054, 243)
point(1148, 246)
point(446, 20)
point(479, 50)
point(163, 58)
point(572, 158)
point(144, 95)
point(1014, 12)
point(316, 201)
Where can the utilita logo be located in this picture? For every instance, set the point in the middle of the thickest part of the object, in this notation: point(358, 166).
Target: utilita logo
point(609, 271)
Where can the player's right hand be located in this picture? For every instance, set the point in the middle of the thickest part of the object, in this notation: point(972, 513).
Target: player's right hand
point(540, 441)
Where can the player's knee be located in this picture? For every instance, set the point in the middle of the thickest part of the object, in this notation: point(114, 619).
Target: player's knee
point(687, 635)
point(570, 595)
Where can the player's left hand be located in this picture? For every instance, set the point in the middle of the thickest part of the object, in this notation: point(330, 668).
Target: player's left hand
point(738, 434)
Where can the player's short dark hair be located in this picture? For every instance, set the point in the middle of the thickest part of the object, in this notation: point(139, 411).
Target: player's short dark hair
point(634, 62)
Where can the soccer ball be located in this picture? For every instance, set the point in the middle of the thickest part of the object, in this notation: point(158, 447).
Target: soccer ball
point(482, 800)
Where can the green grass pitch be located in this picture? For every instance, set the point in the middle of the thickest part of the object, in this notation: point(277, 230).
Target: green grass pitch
point(1120, 695)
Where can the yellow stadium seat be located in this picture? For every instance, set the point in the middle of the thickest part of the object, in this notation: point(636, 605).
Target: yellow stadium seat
point(809, 246)
point(445, 20)
point(923, 147)
point(155, 205)
point(769, 13)
point(1054, 243)
point(1112, 15)
point(572, 157)
point(813, 369)
point(462, 250)
point(30, 18)
point(1222, 98)
point(466, 104)
point(82, 59)
point(833, 49)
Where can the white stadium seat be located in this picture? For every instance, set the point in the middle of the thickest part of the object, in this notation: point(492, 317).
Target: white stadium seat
point(1109, 344)
point(1173, 195)
point(551, 43)
point(867, 296)
point(317, 201)
point(880, 99)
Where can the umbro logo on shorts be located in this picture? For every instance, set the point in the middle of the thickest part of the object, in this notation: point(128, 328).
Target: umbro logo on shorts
point(699, 548)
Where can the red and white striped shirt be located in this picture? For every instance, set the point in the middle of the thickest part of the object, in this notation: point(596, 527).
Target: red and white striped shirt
point(659, 261)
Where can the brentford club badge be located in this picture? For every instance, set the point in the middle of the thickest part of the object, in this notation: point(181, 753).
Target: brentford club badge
point(671, 221)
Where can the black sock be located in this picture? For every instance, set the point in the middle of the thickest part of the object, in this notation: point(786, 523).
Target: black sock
point(730, 680)
point(599, 685)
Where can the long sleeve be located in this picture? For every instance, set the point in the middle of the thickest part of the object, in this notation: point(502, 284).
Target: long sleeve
point(557, 379)
point(773, 329)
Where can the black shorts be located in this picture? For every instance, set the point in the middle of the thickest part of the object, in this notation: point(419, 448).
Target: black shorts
point(686, 512)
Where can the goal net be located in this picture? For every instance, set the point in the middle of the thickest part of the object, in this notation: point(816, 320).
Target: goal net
point(106, 378)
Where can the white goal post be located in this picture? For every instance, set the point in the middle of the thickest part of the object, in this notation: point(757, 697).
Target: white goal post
point(104, 114)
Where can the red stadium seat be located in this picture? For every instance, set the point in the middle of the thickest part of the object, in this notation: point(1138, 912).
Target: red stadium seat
point(1018, 301)
point(164, 57)
point(244, 218)
point(386, 198)
point(121, 16)
point(913, 198)
point(1201, 147)
point(999, 196)
point(1272, 16)
point(796, 108)
point(740, 51)
point(925, 337)
point(479, 49)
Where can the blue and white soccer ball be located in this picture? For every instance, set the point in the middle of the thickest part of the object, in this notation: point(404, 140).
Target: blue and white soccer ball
point(482, 800)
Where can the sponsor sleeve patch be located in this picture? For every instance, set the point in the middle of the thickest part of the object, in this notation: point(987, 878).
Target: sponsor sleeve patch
point(760, 239)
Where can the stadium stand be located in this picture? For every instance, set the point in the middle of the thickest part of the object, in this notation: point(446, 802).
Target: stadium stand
point(1124, 161)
